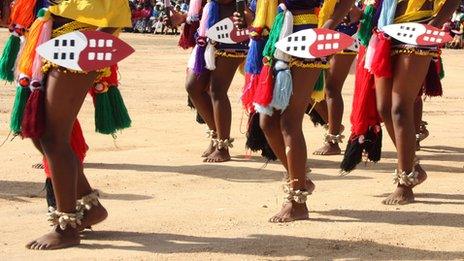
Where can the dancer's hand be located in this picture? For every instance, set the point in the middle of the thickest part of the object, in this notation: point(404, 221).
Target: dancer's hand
point(242, 22)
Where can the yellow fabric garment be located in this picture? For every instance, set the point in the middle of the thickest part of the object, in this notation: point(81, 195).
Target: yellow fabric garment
point(326, 11)
point(413, 12)
point(100, 13)
point(266, 10)
point(303, 19)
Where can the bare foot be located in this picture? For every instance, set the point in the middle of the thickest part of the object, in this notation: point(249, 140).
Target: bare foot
point(404, 194)
point(328, 149)
point(219, 155)
point(291, 211)
point(401, 196)
point(92, 217)
point(423, 133)
point(56, 239)
point(209, 150)
point(422, 174)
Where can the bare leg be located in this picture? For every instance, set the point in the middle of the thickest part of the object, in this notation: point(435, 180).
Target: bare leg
point(273, 133)
point(340, 66)
point(221, 78)
point(322, 110)
point(65, 94)
point(291, 121)
point(383, 90)
point(409, 74)
point(97, 213)
point(197, 88)
point(421, 131)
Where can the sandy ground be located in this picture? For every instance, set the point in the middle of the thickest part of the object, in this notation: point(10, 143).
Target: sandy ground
point(165, 203)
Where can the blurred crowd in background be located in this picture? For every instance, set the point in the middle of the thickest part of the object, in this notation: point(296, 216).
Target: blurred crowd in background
point(148, 16)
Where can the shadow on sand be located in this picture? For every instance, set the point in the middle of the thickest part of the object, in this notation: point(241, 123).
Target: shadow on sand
point(410, 218)
point(19, 190)
point(226, 172)
point(271, 246)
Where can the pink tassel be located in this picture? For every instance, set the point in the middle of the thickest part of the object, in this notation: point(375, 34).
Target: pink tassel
point(193, 13)
point(371, 49)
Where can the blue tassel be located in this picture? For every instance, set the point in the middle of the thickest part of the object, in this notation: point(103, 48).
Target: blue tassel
point(200, 64)
point(213, 15)
point(283, 87)
point(387, 14)
point(254, 60)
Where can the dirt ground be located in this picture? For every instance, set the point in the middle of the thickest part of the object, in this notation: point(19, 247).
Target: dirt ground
point(165, 203)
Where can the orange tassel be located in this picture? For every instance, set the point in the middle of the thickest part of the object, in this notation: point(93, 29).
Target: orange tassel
point(26, 59)
point(23, 12)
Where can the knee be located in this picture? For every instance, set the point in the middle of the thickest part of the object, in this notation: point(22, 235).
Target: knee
point(218, 94)
point(192, 88)
point(289, 127)
point(400, 111)
point(268, 124)
point(384, 111)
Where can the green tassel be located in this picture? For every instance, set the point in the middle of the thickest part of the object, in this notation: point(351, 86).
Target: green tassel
point(319, 86)
point(366, 26)
point(8, 59)
point(21, 97)
point(104, 121)
point(274, 35)
point(121, 116)
point(442, 69)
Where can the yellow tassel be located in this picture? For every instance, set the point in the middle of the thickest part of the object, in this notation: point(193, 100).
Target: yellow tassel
point(318, 96)
point(326, 11)
point(271, 12)
point(260, 16)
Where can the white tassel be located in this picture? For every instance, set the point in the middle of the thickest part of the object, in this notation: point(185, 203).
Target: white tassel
point(268, 110)
point(370, 52)
point(191, 60)
point(210, 57)
point(287, 29)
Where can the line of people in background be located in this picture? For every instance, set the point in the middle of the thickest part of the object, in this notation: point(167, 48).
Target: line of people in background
point(456, 28)
point(148, 16)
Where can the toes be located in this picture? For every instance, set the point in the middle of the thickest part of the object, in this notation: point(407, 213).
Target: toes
point(30, 244)
point(35, 246)
point(273, 219)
